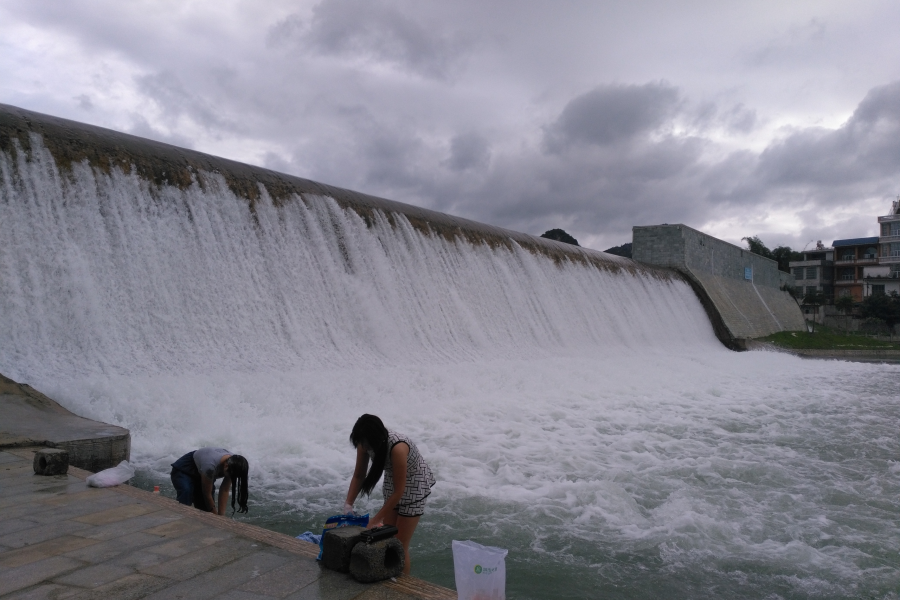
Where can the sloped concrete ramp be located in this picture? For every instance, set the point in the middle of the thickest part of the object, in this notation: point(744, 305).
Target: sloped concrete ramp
point(751, 311)
point(32, 419)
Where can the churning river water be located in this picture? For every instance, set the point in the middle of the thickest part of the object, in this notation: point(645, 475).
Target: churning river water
point(585, 419)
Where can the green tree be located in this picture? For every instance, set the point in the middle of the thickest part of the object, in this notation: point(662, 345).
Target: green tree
point(757, 246)
point(792, 291)
point(885, 307)
point(784, 255)
point(844, 304)
point(781, 254)
point(814, 300)
point(560, 235)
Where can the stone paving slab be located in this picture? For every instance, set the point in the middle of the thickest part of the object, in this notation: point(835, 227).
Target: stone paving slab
point(61, 539)
point(115, 549)
point(29, 554)
point(221, 580)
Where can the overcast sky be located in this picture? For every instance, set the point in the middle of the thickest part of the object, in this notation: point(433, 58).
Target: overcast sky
point(777, 119)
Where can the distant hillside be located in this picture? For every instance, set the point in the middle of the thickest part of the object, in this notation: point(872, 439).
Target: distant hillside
point(623, 250)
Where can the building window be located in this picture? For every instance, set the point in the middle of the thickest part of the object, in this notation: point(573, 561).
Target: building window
point(798, 291)
point(895, 248)
point(878, 290)
point(847, 275)
point(895, 228)
point(811, 289)
point(811, 273)
point(871, 252)
point(798, 272)
point(885, 229)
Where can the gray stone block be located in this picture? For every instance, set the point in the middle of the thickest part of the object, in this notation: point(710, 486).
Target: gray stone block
point(377, 561)
point(51, 461)
point(337, 545)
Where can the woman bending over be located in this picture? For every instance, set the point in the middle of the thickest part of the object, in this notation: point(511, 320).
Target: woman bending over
point(194, 476)
point(407, 478)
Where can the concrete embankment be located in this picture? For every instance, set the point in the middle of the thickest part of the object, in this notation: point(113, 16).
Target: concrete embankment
point(743, 293)
point(60, 538)
point(32, 419)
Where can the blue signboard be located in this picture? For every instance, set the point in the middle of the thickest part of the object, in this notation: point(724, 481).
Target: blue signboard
point(748, 273)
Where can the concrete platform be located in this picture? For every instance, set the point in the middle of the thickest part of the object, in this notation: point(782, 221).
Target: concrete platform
point(32, 419)
point(60, 538)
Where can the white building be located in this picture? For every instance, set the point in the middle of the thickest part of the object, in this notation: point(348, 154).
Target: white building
point(885, 277)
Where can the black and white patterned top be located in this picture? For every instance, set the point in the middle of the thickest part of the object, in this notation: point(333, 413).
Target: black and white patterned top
point(419, 478)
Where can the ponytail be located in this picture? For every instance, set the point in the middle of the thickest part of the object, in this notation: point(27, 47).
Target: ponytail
point(238, 470)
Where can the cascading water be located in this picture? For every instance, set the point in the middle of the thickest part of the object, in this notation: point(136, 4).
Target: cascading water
point(103, 275)
point(585, 418)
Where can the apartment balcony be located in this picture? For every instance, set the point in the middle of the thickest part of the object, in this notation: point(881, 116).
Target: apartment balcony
point(885, 239)
point(821, 262)
point(893, 258)
point(811, 282)
point(866, 259)
point(889, 219)
point(851, 281)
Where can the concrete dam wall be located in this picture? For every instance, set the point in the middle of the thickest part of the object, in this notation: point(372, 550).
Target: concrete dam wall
point(127, 256)
point(743, 292)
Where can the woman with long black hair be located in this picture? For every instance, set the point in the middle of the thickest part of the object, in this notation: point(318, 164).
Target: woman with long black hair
point(194, 476)
point(407, 478)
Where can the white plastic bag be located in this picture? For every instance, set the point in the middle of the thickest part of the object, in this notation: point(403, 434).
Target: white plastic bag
point(113, 476)
point(480, 571)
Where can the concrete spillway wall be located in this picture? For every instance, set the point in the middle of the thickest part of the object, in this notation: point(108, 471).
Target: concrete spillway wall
point(742, 292)
point(162, 164)
point(110, 199)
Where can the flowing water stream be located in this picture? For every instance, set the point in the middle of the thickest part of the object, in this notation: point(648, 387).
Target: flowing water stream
point(585, 419)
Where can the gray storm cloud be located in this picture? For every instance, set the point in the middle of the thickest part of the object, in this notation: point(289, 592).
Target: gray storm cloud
point(613, 114)
point(375, 31)
point(469, 151)
point(865, 148)
point(768, 119)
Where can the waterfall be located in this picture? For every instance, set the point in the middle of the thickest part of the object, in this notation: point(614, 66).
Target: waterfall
point(108, 273)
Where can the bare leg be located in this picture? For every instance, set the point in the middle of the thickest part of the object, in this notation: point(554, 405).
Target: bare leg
point(405, 528)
